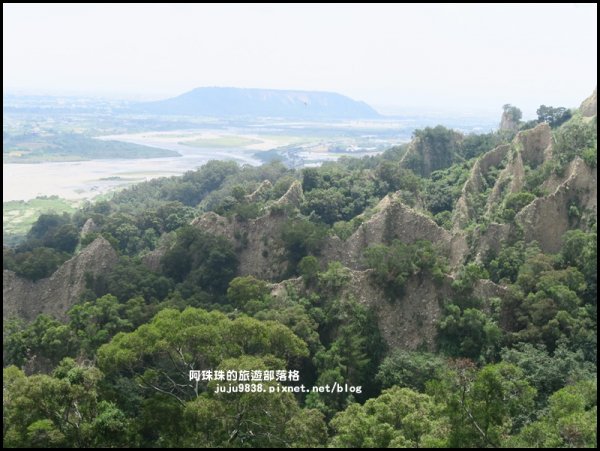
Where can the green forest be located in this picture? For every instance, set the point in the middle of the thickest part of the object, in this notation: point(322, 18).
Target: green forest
point(512, 369)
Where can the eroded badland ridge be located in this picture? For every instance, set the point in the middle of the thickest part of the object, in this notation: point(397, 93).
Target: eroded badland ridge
point(478, 225)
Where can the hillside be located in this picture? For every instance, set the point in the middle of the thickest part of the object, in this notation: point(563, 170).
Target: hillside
point(240, 102)
point(451, 281)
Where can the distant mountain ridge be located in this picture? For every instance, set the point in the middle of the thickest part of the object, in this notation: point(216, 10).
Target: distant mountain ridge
point(238, 102)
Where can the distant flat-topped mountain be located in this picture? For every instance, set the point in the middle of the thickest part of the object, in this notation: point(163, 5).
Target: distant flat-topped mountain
point(240, 102)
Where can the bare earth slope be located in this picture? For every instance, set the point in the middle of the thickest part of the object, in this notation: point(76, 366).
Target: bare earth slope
point(57, 293)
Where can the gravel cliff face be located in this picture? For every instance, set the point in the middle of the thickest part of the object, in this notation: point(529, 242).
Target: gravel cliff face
point(57, 293)
point(410, 320)
point(547, 218)
point(589, 107)
point(257, 241)
point(261, 253)
point(507, 123)
point(393, 220)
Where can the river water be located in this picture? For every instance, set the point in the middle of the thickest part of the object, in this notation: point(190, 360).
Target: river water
point(87, 179)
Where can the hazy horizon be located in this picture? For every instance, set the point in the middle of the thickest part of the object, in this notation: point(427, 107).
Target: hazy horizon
point(393, 57)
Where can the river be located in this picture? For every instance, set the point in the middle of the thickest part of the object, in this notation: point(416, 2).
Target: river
point(87, 179)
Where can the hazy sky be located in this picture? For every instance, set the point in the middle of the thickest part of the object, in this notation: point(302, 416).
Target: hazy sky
point(446, 56)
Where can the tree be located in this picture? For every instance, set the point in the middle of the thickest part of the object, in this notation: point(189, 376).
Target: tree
point(554, 116)
point(397, 178)
point(409, 369)
point(161, 353)
point(476, 144)
point(301, 238)
point(571, 421)
point(310, 179)
point(297, 315)
point(354, 348)
point(209, 261)
point(251, 419)
point(580, 250)
point(334, 192)
point(60, 410)
point(434, 148)
point(399, 417)
point(131, 278)
point(514, 113)
point(467, 277)
point(94, 323)
point(551, 307)
point(483, 406)
point(468, 333)
point(336, 276)
point(238, 192)
point(499, 396)
point(64, 239)
point(327, 204)
point(392, 265)
point(243, 290)
point(546, 372)
point(444, 187)
point(309, 268)
point(37, 264)
point(43, 342)
point(573, 139)
point(46, 224)
point(506, 265)
point(515, 202)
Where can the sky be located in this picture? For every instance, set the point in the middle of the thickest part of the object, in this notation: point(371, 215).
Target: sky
point(394, 57)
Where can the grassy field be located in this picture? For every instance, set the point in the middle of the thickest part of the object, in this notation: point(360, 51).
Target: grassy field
point(222, 142)
point(18, 216)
